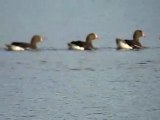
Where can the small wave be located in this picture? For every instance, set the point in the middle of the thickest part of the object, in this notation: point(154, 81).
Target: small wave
point(54, 49)
point(142, 63)
point(66, 49)
point(145, 62)
point(81, 69)
point(28, 116)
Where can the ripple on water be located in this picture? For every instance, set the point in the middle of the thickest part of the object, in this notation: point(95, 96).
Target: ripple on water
point(81, 69)
point(97, 112)
point(145, 62)
point(55, 49)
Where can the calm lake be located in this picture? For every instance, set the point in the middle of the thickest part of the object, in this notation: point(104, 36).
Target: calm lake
point(54, 83)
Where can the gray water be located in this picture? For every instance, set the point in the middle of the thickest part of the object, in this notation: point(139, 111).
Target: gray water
point(54, 83)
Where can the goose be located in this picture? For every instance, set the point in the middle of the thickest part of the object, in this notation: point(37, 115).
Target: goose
point(131, 44)
point(83, 45)
point(21, 46)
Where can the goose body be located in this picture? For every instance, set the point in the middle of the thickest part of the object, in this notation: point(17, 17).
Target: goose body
point(121, 44)
point(74, 45)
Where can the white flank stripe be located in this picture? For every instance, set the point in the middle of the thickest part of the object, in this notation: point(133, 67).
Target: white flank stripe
point(14, 48)
point(123, 45)
point(75, 47)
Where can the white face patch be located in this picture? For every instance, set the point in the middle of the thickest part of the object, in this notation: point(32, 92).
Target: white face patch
point(41, 38)
point(143, 34)
point(96, 36)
